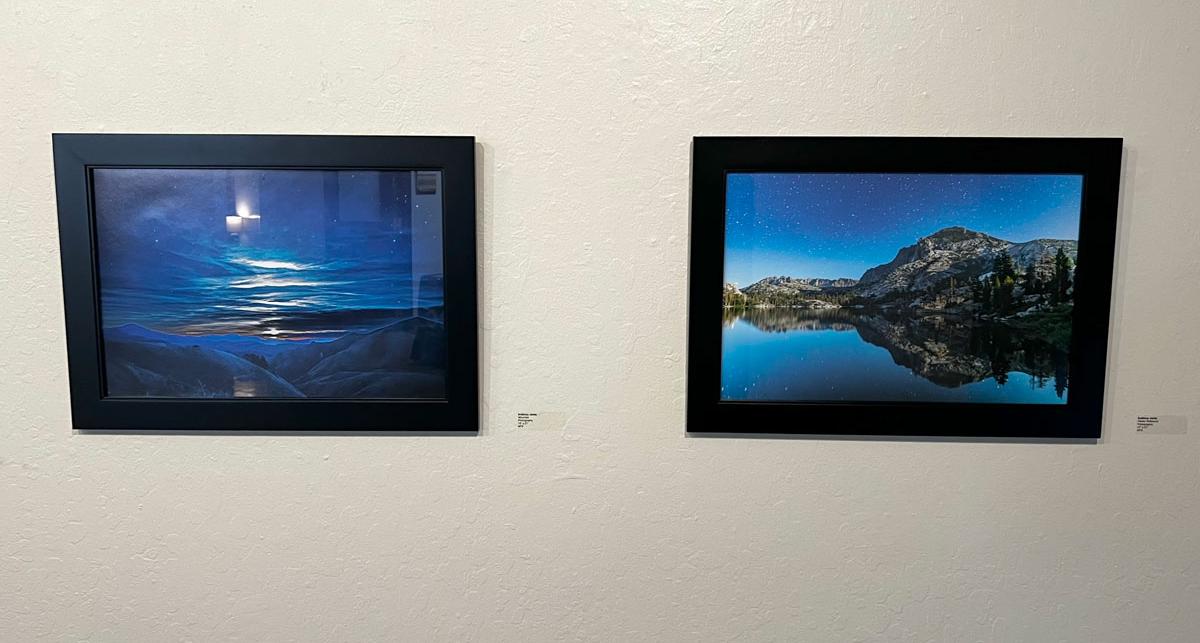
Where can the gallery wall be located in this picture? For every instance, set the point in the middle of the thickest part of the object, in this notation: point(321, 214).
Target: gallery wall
point(601, 519)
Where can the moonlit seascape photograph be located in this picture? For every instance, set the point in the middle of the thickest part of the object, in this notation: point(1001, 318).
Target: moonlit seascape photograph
point(899, 287)
point(225, 283)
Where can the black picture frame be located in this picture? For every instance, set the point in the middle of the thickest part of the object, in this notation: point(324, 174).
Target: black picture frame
point(1097, 159)
point(77, 155)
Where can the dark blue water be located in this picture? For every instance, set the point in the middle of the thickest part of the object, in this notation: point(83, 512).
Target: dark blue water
point(804, 356)
point(327, 252)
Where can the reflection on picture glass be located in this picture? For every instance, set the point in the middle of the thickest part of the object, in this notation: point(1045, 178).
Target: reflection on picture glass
point(899, 287)
point(222, 283)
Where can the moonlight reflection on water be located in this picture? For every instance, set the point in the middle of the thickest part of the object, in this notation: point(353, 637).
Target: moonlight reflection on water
point(232, 283)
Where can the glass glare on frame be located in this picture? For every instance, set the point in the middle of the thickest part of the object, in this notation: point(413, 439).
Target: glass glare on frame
point(222, 283)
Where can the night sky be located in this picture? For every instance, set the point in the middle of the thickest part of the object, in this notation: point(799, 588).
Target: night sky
point(839, 225)
point(330, 251)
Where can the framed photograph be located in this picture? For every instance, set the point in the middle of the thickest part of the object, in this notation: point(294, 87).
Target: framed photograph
point(901, 286)
point(269, 282)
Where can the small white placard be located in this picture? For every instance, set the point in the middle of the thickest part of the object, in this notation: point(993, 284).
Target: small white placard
point(541, 420)
point(1162, 424)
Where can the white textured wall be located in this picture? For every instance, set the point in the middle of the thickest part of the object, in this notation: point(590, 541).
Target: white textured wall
point(618, 527)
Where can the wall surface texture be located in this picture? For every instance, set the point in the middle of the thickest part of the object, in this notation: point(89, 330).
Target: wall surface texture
point(616, 525)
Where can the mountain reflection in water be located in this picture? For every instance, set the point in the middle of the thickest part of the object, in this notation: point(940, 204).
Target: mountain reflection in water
point(788, 354)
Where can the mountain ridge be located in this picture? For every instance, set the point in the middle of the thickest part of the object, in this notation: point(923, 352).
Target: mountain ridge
point(951, 252)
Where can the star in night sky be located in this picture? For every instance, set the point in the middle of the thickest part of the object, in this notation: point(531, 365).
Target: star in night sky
point(840, 225)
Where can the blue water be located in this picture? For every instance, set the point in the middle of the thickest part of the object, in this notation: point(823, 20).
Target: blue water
point(839, 365)
point(328, 253)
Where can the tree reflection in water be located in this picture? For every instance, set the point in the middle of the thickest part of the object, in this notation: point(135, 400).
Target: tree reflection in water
point(946, 350)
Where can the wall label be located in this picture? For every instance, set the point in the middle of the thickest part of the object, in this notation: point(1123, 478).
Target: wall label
point(541, 420)
point(1161, 424)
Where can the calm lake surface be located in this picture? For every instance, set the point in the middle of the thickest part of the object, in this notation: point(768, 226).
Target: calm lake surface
point(782, 354)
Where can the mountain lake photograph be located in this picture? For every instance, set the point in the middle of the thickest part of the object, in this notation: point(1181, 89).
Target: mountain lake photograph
point(897, 287)
point(275, 283)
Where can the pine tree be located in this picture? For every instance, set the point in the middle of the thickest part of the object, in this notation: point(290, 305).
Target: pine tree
point(1032, 284)
point(1002, 265)
point(1062, 276)
point(1005, 290)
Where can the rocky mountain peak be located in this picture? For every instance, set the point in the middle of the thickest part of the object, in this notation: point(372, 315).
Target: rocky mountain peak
point(955, 234)
point(950, 252)
point(796, 284)
point(954, 252)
